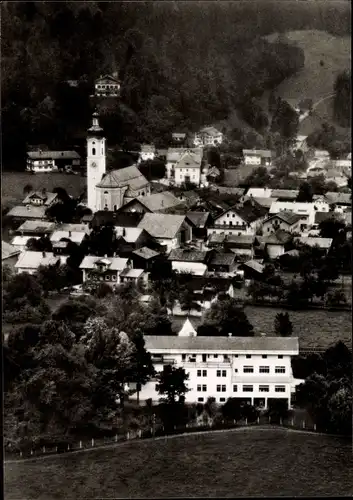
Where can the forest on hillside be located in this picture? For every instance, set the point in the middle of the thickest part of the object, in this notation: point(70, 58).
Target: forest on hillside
point(182, 64)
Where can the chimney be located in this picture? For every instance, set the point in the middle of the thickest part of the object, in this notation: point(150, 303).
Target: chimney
point(229, 335)
point(105, 256)
point(69, 234)
point(44, 254)
point(114, 254)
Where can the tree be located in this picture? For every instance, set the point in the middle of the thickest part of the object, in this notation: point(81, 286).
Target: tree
point(305, 193)
point(283, 325)
point(336, 298)
point(172, 384)
point(27, 189)
point(228, 317)
point(143, 367)
point(342, 99)
point(259, 178)
point(331, 227)
point(42, 244)
point(153, 169)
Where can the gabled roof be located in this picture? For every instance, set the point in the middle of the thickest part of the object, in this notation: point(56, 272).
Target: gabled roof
point(289, 218)
point(285, 194)
point(216, 238)
point(226, 344)
point(187, 330)
point(132, 273)
point(36, 227)
point(259, 192)
point(158, 202)
point(312, 242)
point(78, 228)
point(129, 234)
point(264, 153)
point(212, 131)
point(214, 171)
point(20, 241)
point(145, 253)
point(338, 198)
point(47, 197)
point(148, 148)
point(198, 219)
point(53, 155)
point(222, 259)
point(119, 219)
point(248, 211)
point(129, 176)
point(32, 260)
point(228, 190)
point(74, 236)
point(113, 263)
point(162, 225)
point(189, 160)
point(253, 264)
point(28, 212)
point(239, 241)
point(110, 78)
point(174, 154)
point(8, 250)
point(280, 237)
point(321, 216)
point(186, 255)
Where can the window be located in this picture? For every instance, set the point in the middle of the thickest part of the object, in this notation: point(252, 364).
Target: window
point(247, 388)
point(93, 151)
point(204, 388)
point(248, 369)
point(228, 215)
point(248, 356)
point(200, 400)
point(280, 388)
point(280, 356)
point(233, 216)
point(224, 373)
point(204, 357)
point(236, 370)
point(235, 388)
point(156, 387)
point(199, 373)
point(199, 388)
point(215, 355)
point(235, 355)
point(224, 388)
point(264, 369)
point(264, 388)
point(280, 369)
point(264, 356)
point(218, 388)
point(204, 373)
point(218, 373)
point(113, 277)
point(222, 400)
point(107, 277)
point(183, 357)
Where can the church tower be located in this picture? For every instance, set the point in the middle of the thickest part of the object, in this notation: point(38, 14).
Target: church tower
point(96, 167)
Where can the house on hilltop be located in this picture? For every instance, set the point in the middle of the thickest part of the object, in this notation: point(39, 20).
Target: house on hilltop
point(107, 86)
point(258, 157)
point(208, 136)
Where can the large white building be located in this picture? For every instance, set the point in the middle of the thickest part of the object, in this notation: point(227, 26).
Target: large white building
point(305, 209)
point(208, 136)
point(254, 369)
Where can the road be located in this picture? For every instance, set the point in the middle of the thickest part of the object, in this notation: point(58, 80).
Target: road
point(306, 114)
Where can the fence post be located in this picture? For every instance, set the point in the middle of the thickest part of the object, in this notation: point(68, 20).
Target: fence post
point(21, 454)
point(43, 449)
point(68, 447)
point(128, 435)
point(92, 442)
point(140, 433)
point(116, 438)
point(187, 425)
point(280, 421)
point(56, 449)
point(246, 421)
point(258, 420)
point(80, 444)
point(31, 452)
point(292, 422)
point(314, 427)
point(303, 424)
point(269, 419)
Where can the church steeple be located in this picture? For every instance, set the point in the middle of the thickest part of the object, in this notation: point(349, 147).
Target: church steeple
point(96, 161)
point(95, 129)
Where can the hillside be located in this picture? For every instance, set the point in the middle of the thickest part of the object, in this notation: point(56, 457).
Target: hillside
point(315, 80)
point(248, 462)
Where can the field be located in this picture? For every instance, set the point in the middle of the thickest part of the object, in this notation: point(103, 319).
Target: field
point(14, 182)
point(247, 462)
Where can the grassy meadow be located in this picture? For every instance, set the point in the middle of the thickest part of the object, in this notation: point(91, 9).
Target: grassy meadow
point(247, 462)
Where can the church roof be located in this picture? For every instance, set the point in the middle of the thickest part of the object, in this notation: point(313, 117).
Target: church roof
point(129, 176)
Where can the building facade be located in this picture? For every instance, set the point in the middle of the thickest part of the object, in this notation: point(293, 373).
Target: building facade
point(253, 369)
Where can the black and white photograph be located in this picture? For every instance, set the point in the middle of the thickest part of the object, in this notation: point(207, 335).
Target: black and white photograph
point(176, 249)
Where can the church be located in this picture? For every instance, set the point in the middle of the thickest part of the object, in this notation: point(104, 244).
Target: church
point(109, 190)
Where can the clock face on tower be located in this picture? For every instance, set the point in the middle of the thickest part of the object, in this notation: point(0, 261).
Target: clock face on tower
point(93, 164)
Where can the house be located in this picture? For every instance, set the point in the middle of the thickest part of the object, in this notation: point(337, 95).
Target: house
point(107, 269)
point(242, 246)
point(334, 175)
point(144, 258)
point(9, 254)
point(208, 136)
point(252, 269)
point(148, 152)
point(321, 154)
point(29, 262)
point(49, 161)
point(263, 202)
point(213, 174)
point(36, 228)
point(117, 219)
point(189, 261)
point(340, 200)
point(301, 144)
point(77, 228)
point(322, 216)
point(222, 263)
point(107, 86)
point(207, 289)
point(323, 244)
point(74, 236)
point(252, 369)
point(199, 222)
point(20, 242)
point(133, 275)
point(288, 221)
point(189, 170)
point(243, 218)
point(133, 238)
point(179, 137)
point(277, 243)
point(169, 230)
point(174, 155)
point(156, 202)
point(259, 192)
point(258, 157)
point(190, 198)
point(236, 191)
point(305, 209)
point(20, 212)
point(38, 198)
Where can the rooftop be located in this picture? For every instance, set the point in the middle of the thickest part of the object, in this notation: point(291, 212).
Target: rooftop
point(53, 155)
point(288, 345)
point(145, 253)
point(129, 176)
point(199, 219)
point(324, 243)
point(210, 131)
point(32, 260)
point(120, 219)
point(338, 198)
point(22, 240)
point(264, 153)
point(47, 197)
point(74, 236)
point(187, 330)
point(174, 154)
point(253, 264)
point(222, 259)
point(288, 217)
point(280, 237)
point(113, 263)
point(186, 255)
point(132, 273)
point(130, 234)
point(161, 225)
point(189, 160)
point(28, 212)
point(8, 250)
point(36, 226)
point(285, 194)
point(160, 201)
